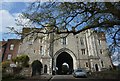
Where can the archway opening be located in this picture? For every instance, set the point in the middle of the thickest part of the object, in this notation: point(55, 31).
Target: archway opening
point(36, 67)
point(96, 67)
point(64, 63)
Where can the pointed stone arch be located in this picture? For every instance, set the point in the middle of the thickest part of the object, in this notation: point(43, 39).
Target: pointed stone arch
point(70, 55)
point(36, 67)
point(45, 68)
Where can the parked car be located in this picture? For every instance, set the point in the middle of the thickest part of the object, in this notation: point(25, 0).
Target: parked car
point(80, 73)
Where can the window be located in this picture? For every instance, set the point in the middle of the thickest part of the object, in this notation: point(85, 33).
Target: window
point(83, 51)
point(9, 56)
point(81, 41)
point(34, 51)
point(41, 50)
point(41, 40)
point(102, 64)
point(86, 64)
point(99, 41)
point(100, 51)
point(64, 41)
point(11, 46)
point(45, 69)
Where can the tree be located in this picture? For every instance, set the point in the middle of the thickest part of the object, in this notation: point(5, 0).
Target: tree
point(22, 60)
point(75, 17)
point(5, 64)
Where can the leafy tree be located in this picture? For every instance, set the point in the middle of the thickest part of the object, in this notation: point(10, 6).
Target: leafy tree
point(23, 60)
point(5, 64)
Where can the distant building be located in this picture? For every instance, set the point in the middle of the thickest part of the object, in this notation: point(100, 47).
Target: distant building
point(2, 49)
point(10, 49)
point(87, 50)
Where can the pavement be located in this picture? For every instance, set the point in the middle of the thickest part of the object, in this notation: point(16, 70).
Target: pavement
point(63, 78)
point(71, 78)
point(41, 77)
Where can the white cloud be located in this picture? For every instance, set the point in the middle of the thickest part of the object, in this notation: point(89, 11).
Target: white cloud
point(22, 20)
point(8, 20)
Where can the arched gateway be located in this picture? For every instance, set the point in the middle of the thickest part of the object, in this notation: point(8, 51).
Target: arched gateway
point(62, 56)
point(36, 67)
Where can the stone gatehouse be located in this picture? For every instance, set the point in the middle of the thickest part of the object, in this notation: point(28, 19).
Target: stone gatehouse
point(86, 50)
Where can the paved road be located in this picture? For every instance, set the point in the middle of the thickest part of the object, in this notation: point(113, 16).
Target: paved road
point(39, 78)
point(67, 78)
point(71, 78)
point(63, 77)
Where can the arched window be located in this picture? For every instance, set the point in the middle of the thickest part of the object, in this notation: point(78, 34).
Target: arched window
point(41, 50)
point(86, 64)
point(102, 63)
point(96, 67)
point(81, 41)
point(45, 68)
point(83, 51)
point(64, 41)
point(100, 51)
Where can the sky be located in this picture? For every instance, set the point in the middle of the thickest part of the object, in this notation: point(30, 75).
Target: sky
point(9, 11)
